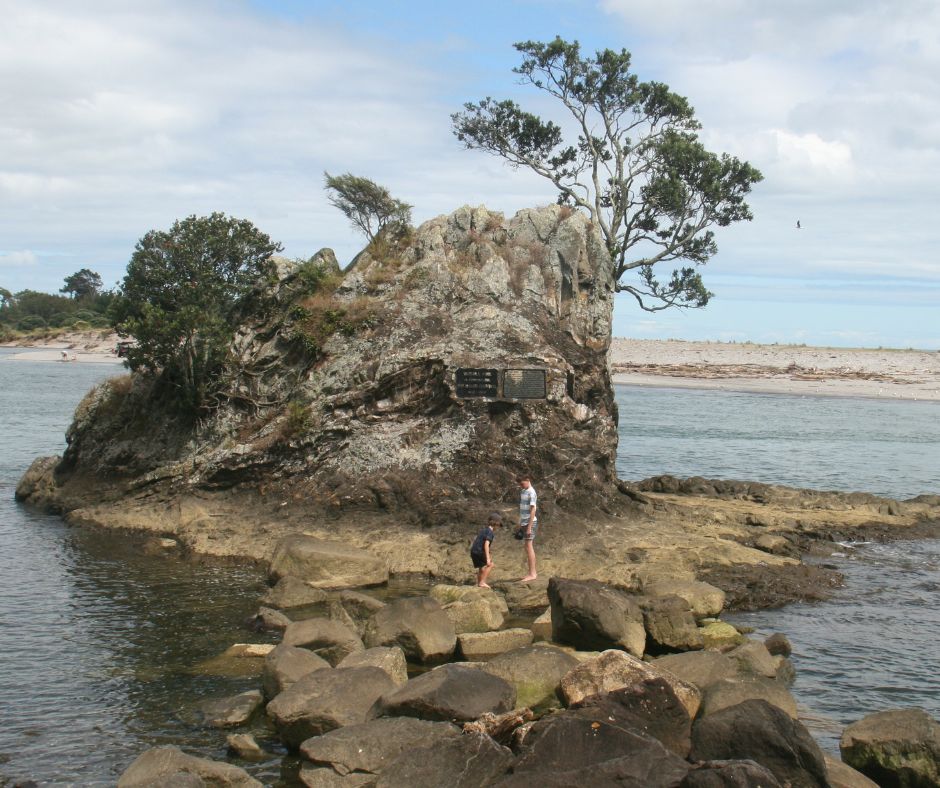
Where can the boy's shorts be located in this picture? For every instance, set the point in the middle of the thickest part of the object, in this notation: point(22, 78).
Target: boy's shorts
point(479, 560)
point(530, 536)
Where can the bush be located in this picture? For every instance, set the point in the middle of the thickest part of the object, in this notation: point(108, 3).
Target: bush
point(31, 323)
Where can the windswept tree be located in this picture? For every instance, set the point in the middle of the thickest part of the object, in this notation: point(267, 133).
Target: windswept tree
point(6, 298)
point(636, 167)
point(82, 284)
point(369, 207)
point(180, 295)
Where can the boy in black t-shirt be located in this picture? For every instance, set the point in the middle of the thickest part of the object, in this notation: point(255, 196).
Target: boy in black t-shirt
point(480, 551)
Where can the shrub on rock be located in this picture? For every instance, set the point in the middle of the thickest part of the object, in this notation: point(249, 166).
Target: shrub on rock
point(761, 732)
point(899, 747)
point(325, 700)
point(448, 693)
point(325, 564)
point(589, 615)
point(418, 625)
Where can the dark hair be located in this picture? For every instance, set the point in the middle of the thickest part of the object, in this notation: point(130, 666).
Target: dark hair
point(524, 478)
point(495, 518)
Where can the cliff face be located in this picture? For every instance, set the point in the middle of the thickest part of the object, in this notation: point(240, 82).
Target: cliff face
point(424, 382)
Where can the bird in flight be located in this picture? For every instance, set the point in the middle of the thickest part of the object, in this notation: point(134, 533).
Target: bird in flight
point(798, 225)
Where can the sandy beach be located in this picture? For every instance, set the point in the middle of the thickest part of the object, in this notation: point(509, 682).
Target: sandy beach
point(778, 369)
point(93, 347)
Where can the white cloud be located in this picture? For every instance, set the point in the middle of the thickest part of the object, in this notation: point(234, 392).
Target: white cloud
point(17, 259)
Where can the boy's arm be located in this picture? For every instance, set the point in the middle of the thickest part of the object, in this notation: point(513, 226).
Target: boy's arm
point(486, 551)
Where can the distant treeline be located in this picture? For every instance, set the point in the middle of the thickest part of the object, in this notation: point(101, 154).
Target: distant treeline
point(84, 305)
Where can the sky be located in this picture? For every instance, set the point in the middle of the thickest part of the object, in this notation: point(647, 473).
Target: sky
point(117, 118)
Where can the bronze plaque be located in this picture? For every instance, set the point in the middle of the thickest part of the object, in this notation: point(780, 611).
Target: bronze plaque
point(524, 384)
point(476, 383)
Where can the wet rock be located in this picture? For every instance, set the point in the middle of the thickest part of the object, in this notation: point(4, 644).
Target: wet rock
point(534, 671)
point(244, 746)
point(591, 616)
point(649, 707)
point(670, 625)
point(730, 692)
point(701, 668)
point(483, 645)
point(231, 712)
point(390, 659)
point(450, 692)
point(326, 638)
point(472, 609)
point(368, 749)
point(613, 670)
point(841, 775)
point(776, 545)
point(899, 747)
point(778, 644)
point(325, 700)
point(171, 766)
point(568, 749)
point(418, 625)
point(754, 659)
point(268, 620)
point(729, 774)
point(286, 665)
point(758, 731)
point(290, 592)
point(703, 599)
point(325, 564)
point(719, 635)
point(467, 761)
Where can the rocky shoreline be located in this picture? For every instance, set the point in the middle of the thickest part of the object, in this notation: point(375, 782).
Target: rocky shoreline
point(604, 685)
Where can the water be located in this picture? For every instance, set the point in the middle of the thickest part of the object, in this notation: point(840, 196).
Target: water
point(100, 645)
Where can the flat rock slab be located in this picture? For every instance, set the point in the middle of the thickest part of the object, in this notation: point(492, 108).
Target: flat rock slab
point(325, 564)
point(391, 659)
point(326, 700)
point(896, 747)
point(419, 626)
point(331, 640)
point(472, 609)
point(233, 711)
point(372, 746)
point(613, 670)
point(535, 672)
point(449, 693)
point(704, 599)
point(483, 645)
point(171, 766)
point(468, 761)
point(286, 665)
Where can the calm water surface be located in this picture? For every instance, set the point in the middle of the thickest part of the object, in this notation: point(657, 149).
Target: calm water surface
point(102, 648)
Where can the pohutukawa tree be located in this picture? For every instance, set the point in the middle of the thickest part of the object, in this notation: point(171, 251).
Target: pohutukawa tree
point(369, 207)
point(637, 167)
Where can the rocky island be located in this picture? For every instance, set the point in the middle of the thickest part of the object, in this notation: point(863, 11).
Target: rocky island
point(369, 421)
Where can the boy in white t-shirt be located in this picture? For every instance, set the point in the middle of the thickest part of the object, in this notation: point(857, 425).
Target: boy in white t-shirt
point(528, 521)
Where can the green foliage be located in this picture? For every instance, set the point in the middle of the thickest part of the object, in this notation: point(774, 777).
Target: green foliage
point(179, 298)
point(83, 284)
point(368, 206)
point(321, 316)
point(6, 298)
point(637, 167)
point(54, 310)
point(31, 323)
point(297, 420)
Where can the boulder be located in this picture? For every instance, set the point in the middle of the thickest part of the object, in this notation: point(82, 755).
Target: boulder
point(531, 595)
point(244, 746)
point(589, 615)
point(701, 668)
point(325, 700)
point(325, 564)
point(369, 748)
point(231, 712)
point(323, 777)
point(268, 620)
point(753, 658)
point(390, 659)
point(758, 731)
point(786, 673)
point(899, 747)
point(466, 761)
point(287, 664)
point(535, 672)
point(450, 692)
point(568, 749)
point(171, 766)
point(649, 707)
point(719, 635)
point(778, 645)
point(613, 670)
point(670, 625)
point(841, 775)
point(703, 599)
point(360, 607)
point(324, 637)
point(483, 645)
point(472, 609)
point(290, 592)
point(542, 626)
point(418, 625)
point(732, 691)
point(729, 774)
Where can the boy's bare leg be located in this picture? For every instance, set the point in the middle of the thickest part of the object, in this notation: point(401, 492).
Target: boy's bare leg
point(482, 575)
point(530, 561)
